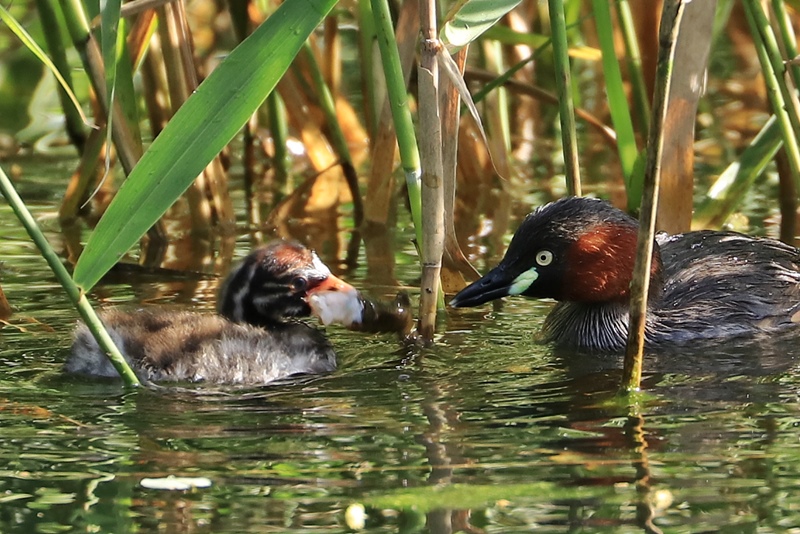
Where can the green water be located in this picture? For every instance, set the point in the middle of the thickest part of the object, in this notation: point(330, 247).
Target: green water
point(486, 431)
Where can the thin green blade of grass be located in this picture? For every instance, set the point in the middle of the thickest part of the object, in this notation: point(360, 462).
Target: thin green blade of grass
point(634, 60)
point(788, 38)
point(28, 41)
point(124, 89)
point(109, 24)
point(366, 38)
point(118, 68)
point(618, 102)
point(199, 130)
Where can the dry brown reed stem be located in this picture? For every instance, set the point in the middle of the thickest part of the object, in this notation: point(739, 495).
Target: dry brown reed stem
point(526, 110)
point(327, 188)
point(172, 38)
point(332, 61)
point(208, 195)
point(532, 91)
point(154, 81)
point(139, 37)
point(128, 147)
point(430, 143)
point(381, 182)
point(134, 7)
point(675, 202)
point(455, 265)
point(81, 181)
point(637, 440)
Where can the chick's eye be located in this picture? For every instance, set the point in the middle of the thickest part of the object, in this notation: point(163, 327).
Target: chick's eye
point(544, 258)
point(299, 283)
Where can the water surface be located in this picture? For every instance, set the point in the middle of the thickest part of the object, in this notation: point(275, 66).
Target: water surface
point(487, 431)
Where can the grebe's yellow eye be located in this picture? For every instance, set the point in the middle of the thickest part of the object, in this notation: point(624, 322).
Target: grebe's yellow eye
point(544, 258)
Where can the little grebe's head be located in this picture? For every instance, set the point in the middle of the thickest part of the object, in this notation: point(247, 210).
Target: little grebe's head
point(274, 282)
point(574, 249)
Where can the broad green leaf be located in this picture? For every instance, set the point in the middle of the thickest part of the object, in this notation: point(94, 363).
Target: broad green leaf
point(471, 18)
point(199, 130)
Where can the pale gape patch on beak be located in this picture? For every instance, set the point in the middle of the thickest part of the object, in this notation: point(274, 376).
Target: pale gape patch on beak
point(522, 282)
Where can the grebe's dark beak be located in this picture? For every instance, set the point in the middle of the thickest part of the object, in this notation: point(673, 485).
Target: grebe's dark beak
point(494, 285)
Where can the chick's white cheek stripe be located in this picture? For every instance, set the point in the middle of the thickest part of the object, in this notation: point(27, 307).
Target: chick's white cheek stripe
point(318, 265)
point(522, 282)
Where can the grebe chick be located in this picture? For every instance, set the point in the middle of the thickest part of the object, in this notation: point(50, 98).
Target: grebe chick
point(704, 285)
point(255, 339)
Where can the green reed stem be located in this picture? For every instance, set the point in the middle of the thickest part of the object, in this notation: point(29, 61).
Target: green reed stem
point(780, 97)
point(128, 147)
point(569, 134)
point(366, 38)
point(617, 101)
point(279, 128)
point(788, 38)
point(401, 114)
point(635, 73)
point(337, 137)
point(54, 38)
point(76, 296)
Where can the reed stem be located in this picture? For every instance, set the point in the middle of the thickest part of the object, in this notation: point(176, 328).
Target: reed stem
point(432, 170)
point(75, 294)
point(640, 285)
point(566, 107)
point(401, 113)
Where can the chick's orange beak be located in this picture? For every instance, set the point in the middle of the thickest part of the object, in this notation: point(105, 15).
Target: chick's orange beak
point(332, 283)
